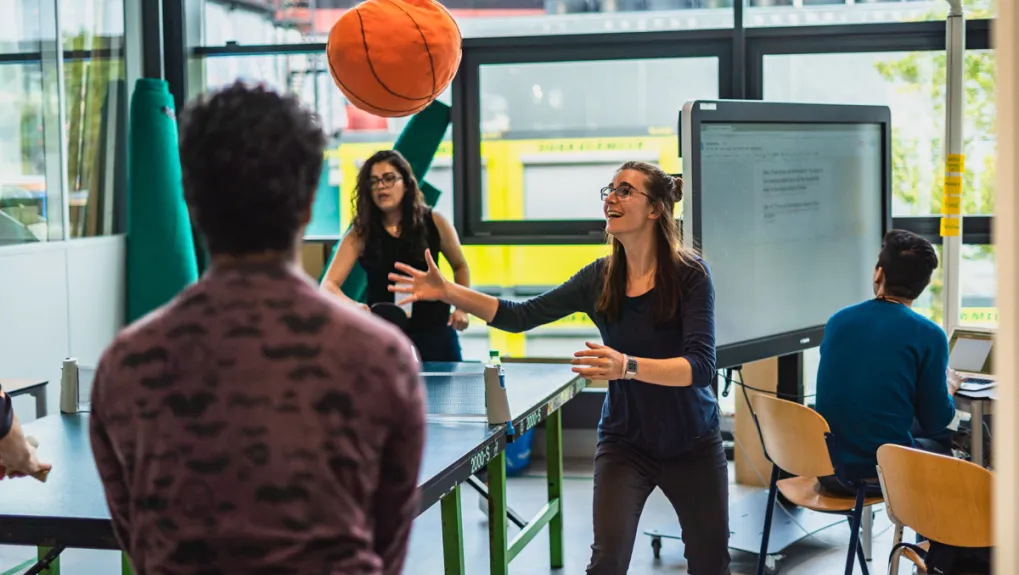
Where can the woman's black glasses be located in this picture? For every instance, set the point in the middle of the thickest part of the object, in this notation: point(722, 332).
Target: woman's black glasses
point(623, 191)
point(386, 181)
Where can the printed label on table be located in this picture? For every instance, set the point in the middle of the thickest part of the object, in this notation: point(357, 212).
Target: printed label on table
point(955, 163)
point(951, 227)
point(556, 402)
point(480, 459)
point(531, 420)
point(951, 205)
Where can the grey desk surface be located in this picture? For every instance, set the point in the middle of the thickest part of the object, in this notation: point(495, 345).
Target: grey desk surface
point(18, 386)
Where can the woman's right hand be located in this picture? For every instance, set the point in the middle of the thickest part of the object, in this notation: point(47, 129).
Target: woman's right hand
point(418, 285)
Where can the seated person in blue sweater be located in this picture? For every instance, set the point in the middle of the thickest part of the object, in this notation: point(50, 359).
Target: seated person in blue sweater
point(883, 376)
point(653, 302)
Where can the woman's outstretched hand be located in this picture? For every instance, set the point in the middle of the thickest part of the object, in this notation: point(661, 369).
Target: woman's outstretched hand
point(418, 285)
point(599, 362)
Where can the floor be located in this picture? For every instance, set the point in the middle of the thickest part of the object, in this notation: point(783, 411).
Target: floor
point(822, 553)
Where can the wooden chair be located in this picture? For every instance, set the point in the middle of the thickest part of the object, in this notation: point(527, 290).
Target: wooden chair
point(795, 440)
point(945, 499)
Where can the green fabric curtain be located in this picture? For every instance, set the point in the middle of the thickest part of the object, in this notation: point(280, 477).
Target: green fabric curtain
point(161, 257)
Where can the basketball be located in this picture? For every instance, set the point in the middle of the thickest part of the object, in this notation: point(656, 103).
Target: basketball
point(392, 58)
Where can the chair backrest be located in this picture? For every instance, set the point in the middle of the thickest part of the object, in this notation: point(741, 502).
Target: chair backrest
point(947, 500)
point(793, 435)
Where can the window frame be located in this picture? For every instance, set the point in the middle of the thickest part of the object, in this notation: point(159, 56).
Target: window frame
point(466, 113)
point(870, 38)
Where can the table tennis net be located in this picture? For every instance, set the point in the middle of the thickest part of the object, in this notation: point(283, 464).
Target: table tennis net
point(455, 394)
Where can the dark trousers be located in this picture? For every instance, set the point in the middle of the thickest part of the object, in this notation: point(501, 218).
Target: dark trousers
point(440, 343)
point(697, 485)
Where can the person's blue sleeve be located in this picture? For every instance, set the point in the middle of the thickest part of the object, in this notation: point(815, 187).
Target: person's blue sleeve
point(934, 406)
point(699, 325)
point(573, 296)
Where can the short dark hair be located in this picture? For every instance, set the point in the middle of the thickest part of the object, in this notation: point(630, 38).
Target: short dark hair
point(908, 261)
point(251, 160)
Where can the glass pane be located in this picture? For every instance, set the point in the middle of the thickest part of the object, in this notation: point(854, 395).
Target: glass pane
point(978, 287)
point(559, 130)
point(761, 13)
point(354, 135)
point(912, 85)
point(24, 205)
point(96, 108)
point(289, 21)
point(20, 28)
point(28, 199)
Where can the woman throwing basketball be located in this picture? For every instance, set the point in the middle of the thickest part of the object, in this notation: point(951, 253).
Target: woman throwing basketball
point(653, 302)
point(393, 224)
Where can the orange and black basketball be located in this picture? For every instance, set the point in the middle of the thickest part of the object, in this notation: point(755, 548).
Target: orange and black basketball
point(394, 57)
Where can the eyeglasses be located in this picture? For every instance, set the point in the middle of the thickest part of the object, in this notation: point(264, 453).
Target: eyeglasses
point(623, 191)
point(386, 181)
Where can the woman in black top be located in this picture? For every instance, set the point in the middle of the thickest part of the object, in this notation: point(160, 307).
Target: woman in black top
point(393, 224)
point(653, 303)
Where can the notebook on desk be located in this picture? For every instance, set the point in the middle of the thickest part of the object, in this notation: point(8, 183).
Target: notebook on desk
point(970, 351)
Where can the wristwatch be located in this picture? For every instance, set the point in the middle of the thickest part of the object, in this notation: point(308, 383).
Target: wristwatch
point(629, 367)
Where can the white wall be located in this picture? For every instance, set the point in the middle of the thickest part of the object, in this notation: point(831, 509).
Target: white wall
point(58, 300)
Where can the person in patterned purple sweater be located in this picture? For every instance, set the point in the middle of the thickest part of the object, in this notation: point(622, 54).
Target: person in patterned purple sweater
point(253, 424)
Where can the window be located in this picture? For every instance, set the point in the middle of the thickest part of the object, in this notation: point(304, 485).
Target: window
point(24, 197)
point(96, 114)
point(279, 22)
point(762, 13)
point(912, 85)
point(552, 133)
point(977, 286)
point(30, 195)
point(354, 135)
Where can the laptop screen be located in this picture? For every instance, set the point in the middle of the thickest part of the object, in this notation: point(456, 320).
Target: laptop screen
point(971, 352)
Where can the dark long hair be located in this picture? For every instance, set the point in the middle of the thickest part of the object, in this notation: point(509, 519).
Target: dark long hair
point(664, 191)
point(368, 217)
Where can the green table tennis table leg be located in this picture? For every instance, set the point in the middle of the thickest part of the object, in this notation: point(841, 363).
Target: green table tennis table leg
point(54, 567)
point(452, 533)
point(554, 462)
point(498, 523)
point(125, 565)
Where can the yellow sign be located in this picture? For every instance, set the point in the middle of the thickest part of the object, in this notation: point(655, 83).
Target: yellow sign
point(953, 185)
point(951, 227)
point(951, 205)
point(955, 163)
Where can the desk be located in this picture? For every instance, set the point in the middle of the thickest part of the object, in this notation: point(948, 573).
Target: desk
point(34, 387)
point(69, 510)
point(977, 405)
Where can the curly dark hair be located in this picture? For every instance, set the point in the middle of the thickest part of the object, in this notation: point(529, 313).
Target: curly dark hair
point(368, 217)
point(251, 160)
point(908, 261)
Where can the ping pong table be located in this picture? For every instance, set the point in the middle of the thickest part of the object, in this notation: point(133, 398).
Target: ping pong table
point(69, 510)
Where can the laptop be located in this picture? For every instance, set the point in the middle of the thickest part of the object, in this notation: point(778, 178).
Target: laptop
point(970, 351)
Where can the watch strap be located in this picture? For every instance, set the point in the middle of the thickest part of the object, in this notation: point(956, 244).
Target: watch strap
point(629, 367)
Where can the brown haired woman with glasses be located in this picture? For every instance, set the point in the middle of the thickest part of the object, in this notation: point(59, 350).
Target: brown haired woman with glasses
point(392, 223)
point(653, 302)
